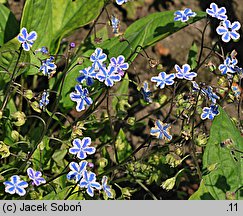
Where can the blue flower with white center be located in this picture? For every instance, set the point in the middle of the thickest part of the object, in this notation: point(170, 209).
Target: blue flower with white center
point(77, 170)
point(184, 72)
point(184, 15)
point(163, 79)
point(36, 177)
point(87, 74)
point(98, 57)
point(44, 101)
point(228, 30)
point(27, 40)
point(160, 130)
point(108, 75)
point(15, 186)
point(48, 66)
point(115, 24)
point(82, 147)
point(89, 181)
point(146, 92)
point(120, 2)
point(228, 66)
point(210, 112)
point(106, 188)
point(119, 64)
point(81, 97)
point(216, 12)
point(210, 94)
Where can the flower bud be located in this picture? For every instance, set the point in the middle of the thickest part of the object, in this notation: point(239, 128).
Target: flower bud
point(169, 183)
point(15, 135)
point(4, 150)
point(19, 118)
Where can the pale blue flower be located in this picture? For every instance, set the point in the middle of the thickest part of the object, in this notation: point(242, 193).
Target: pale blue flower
point(120, 2)
point(98, 57)
point(210, 112)
point(44, 101)
point(184, 15)
point(215, 11)
point(87, 74)
point(119, 64)
point(228, 30)
point(27, 40)
point(106, 187)
point(82, 147)
point(108, 75)
point(36, 177)
point(160, 130)
point(77, 170)
point(81, 97)
point(163, 79)
point(48, 66)
point(43, 50)
point(15, 186)
point(89, 181)
point(184, 72)
point(228, 66)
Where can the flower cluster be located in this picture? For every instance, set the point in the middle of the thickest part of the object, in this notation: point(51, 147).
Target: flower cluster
point(16, 185)
point(226, 29)
point(108, 75)
point(78, 171)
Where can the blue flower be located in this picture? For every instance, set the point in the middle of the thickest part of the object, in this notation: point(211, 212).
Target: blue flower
point(89, 181)
point(119, 64)
point(98, 57)
point(210, 94)
point(43, 50)
point(36, 177)
point(77, 170)
point(106, 187)
point(184, 15)
point(146, 92)
point(163, 79)
point(81, 148)
point(15, 186)
point(215, 11)
point(115, 24)
point(184, 72)
point(87, 74)
point(210, 112)
point(108, 75)
point(160, 130)
point(228, 30)
point(27, 40)
point(44, 101)
point(80, 96)
point(120, 2)
point(228, 66)
point(48, 66)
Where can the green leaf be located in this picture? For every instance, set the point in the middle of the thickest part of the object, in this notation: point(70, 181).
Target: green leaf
point(9, 54)
point(192, 56)
point(53, 19)
point(228, 174)
point(9, 26)
point(145, 32)
point(201, 193)
point(123, 147)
